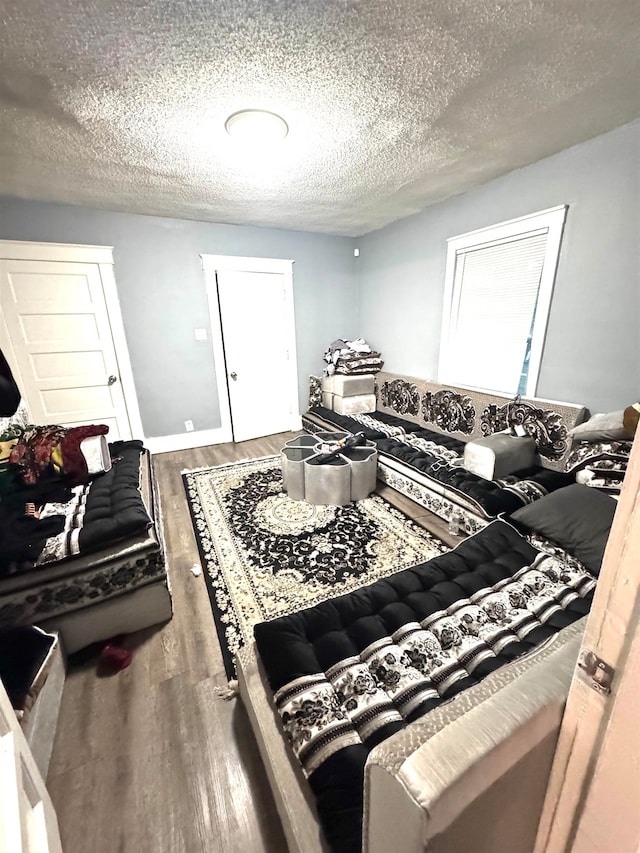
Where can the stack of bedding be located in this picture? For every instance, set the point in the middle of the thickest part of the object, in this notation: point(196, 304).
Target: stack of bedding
point(86, 561)
point(351, 358)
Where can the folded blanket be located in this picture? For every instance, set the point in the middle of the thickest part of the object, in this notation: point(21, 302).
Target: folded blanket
point(351, 357)
point(359, 370)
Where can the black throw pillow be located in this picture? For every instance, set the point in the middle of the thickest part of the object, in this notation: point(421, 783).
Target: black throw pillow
point(576, 517)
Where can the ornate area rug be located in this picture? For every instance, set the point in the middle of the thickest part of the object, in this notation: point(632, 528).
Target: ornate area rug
point(265, 555)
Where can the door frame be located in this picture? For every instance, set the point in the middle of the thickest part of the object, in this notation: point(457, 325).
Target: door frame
point(585, 759)
point(212, 264)
point(102, 256)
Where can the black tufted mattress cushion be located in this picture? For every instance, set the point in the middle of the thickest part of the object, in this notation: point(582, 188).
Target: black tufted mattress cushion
point(491, 497)
point(107, 510)
point(349, 672)
point(114, 508)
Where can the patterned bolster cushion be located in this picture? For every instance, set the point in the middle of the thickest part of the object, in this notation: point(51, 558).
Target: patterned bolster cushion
point(601, 464)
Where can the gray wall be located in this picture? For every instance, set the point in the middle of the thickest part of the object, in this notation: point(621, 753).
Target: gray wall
point(592, 352)
point(392, 295)
point(162, 295)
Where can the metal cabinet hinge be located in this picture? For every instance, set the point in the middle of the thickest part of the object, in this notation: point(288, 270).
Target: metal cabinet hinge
point(595, 672)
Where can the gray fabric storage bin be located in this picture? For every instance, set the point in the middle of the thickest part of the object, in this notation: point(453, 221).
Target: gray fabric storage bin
point(328, 484)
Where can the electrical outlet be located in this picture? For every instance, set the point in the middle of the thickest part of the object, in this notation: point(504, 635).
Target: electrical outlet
point(200, 334)
point(188, 425)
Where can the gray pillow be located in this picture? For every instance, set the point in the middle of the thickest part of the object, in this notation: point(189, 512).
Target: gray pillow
point(576, 517)
point(604, 427)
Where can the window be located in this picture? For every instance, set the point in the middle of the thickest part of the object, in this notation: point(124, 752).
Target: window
point(498, 289)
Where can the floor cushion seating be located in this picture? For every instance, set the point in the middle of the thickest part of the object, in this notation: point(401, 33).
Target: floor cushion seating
point(420, 430)
point(105, 574)
point(351, 672)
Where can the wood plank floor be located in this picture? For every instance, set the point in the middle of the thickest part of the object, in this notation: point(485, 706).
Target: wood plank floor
point(152, 760)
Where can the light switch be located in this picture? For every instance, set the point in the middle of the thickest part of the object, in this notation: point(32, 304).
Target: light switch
point(200, 334)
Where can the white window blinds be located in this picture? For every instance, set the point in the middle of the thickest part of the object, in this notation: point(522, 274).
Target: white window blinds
point(492, 303)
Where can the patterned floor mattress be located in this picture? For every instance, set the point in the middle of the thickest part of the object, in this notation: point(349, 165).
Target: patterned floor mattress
point(110, 546)
point(428, 467)
point(356, 669)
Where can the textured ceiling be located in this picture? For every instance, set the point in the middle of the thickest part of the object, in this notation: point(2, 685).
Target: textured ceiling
point(391, 104)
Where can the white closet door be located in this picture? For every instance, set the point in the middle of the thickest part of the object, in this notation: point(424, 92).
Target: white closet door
point(28, 822)
point(57, 325)
point(255, 329)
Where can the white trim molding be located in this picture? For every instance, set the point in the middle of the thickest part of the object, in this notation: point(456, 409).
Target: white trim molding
point(186, 440)
point(520, 225)
point(218, 353)
point(548, 222)
point(112, 302)
point(18, 250)
point(217, 263)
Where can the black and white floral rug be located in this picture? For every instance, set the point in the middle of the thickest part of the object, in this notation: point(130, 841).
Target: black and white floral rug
point(265, 555)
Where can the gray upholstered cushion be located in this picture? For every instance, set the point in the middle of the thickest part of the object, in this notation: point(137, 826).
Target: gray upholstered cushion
point(498, 455)
point(602, 427)
point(576, 517)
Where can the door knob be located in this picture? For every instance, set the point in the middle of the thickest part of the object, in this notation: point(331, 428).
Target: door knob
point(233, 375)
point(112, 380)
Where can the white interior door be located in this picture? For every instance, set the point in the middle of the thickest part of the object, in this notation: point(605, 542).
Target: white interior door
point(256, 318)
point(55, 331)
point(28, 822)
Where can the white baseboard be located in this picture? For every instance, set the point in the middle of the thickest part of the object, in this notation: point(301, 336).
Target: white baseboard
point(187, 440)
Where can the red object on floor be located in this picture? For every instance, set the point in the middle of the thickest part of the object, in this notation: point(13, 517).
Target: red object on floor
point(113, 657)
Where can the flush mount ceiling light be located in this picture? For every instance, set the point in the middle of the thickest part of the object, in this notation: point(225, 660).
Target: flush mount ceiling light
point(256, 126)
